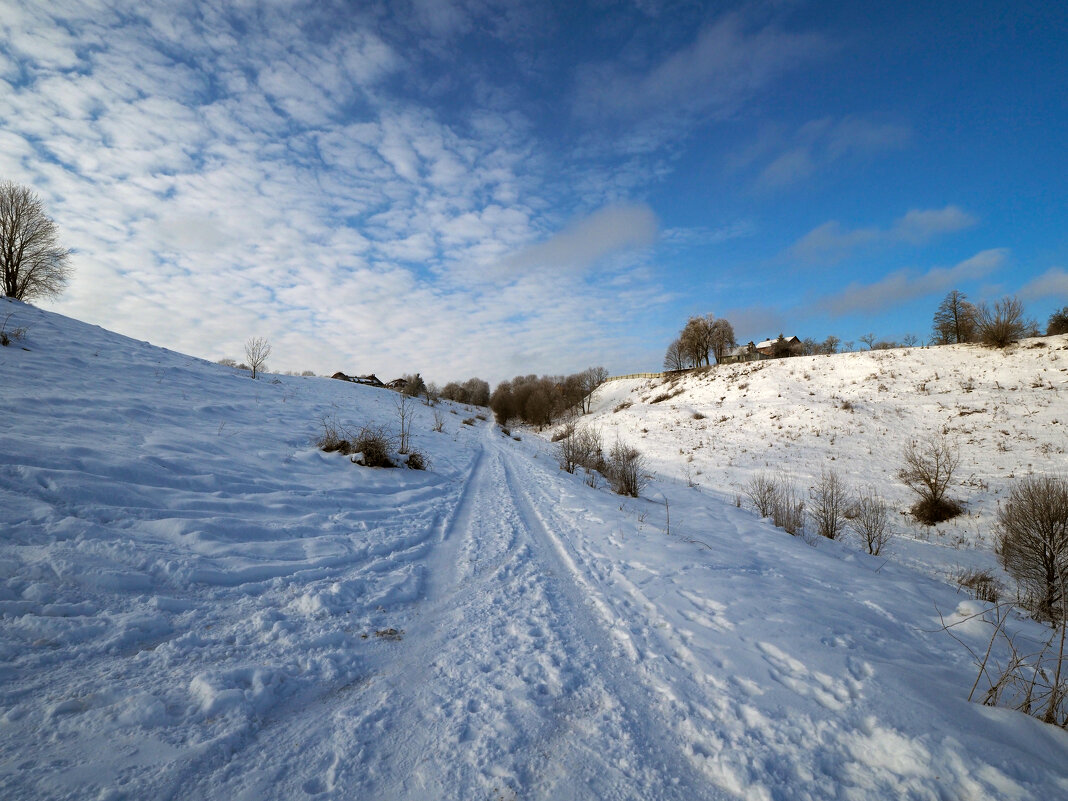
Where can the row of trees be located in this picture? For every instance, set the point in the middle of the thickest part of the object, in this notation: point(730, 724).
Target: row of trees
point(957, 320)
point(701, 339)
point(473, 391)
point(539, 401)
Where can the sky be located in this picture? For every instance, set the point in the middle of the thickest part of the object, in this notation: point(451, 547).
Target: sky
point(492, 188)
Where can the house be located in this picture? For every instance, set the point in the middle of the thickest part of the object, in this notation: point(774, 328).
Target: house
point(371, 379)
point(768, 349)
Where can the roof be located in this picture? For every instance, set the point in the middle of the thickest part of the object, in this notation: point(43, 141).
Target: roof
point(767, 343)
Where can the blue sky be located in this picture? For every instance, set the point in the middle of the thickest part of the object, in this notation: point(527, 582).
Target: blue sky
point(492, 188)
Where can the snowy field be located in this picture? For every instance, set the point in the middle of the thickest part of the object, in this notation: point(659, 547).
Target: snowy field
point(198, 604)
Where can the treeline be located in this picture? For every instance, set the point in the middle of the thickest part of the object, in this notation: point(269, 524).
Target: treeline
point(540, 401)
point(473, 391)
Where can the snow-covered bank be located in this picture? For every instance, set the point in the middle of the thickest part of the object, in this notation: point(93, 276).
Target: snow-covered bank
point(196, 603)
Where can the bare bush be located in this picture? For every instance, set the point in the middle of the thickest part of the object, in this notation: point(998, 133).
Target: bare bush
point(829, 501)
point(928, 471)
point(417, 460)
point(439, 421)
point(1031, 679)
point(334, 436)
point(257, 349)
point(870, 521)
point(372, 447)
point(760, 490)
point(981, 583)
point(788, 507)
point(9, 334)
point(1002, 325)
point(1032, 541)
point(580, 448)
point(625, 470)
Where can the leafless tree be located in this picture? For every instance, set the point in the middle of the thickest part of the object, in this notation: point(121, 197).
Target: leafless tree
point(589, 380)
point(869, 340)
point(909, 340)
point(870, 521)
point(928, 471)
point(829, 502)
point(1000, 326)
point(722, 335)
point(830, 345)
point(674, 358)
point(257, 349)
point(32, 263)
point(955, 320)
point(1032, 540)
point(406, 413)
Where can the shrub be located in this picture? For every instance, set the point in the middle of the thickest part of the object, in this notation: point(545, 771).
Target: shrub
point(417, 460)
point(1004, 324)
point(981, 583)
point(788, 507)
point(777, 497)
point(468, 421)
point(1058, 322)
point(625, 470)
point(334, 437)
point(928, 472)
point(580, 448)
point(1032, 541)
point(761, 492)
point(869, 519)
point(830, 498)
point(371, 448)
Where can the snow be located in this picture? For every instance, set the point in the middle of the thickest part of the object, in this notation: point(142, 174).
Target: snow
point(197, 603)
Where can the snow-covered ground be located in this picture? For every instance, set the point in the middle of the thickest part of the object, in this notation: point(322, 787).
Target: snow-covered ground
point(196, 603)
point(1005, 411)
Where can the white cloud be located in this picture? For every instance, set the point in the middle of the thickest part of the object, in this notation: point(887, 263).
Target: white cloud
point(211, 191)
point(728, 61)
point(586, 242)
point(784, 159)
point(904, 285)
point(831, 242)
point(1051, 284)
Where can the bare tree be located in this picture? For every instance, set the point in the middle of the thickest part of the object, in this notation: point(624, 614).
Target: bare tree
point(257, 349)
point(830, 345)
point(871, 521)
point(32, 263)
point(1032, 540)
point(928, 472)
point(722, 336)
point(696, 340)
point(909, 340)
point(830, 498)
point(955, 320)
point(674, 358)
point(869, 340)
point(1002, 325)
point(406, 413)
point(589, 380)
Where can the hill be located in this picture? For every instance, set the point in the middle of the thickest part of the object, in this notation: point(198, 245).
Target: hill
point(197, 602)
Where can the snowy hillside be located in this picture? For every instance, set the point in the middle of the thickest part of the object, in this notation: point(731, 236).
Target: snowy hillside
point(1006, 411)
point(196, 603)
